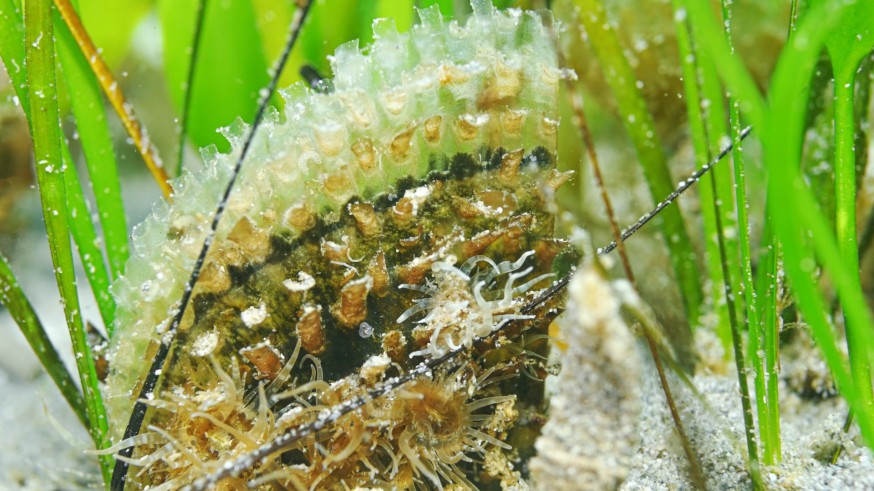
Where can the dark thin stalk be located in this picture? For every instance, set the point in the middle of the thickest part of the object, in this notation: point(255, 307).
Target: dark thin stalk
point(189, 83)
point(697, 474)
point(684, 185)
point(766, 389)
point(694, 466)
point(739, 358)
point(737, 341)
point(583, 124)
point(865, 77)
point(119, 473)
point(640, 128)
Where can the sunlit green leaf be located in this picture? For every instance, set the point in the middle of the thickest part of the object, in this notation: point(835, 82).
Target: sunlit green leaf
point(848, 43)
point(111, 25)
point(231, 56)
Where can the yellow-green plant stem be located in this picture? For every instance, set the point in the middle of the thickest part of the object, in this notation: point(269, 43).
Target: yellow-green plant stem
point(113, 93)
point(641, 130)
point(845, 212)
point(91, 124)
point(45, 130)
point(767, 397)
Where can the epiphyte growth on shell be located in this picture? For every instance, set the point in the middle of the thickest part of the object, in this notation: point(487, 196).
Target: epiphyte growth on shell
point(436, 147)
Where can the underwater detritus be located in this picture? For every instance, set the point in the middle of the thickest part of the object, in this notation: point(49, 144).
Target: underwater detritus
point(591, 435)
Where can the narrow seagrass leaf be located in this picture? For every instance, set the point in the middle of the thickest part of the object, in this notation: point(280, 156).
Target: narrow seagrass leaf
point(848, 44)
point(802, 213)
point(797, 210)
point(46, 132)
point(701, 126)
point(12, 52)
point(706, 122)
point(760, 340)
point(14, 299)
point(86, 239)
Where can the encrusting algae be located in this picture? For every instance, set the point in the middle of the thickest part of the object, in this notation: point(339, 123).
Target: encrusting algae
point(405, 214)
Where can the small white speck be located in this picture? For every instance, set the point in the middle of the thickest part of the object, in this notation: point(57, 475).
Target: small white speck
point(205, 344)
point(254, 315)
point(304, 282)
